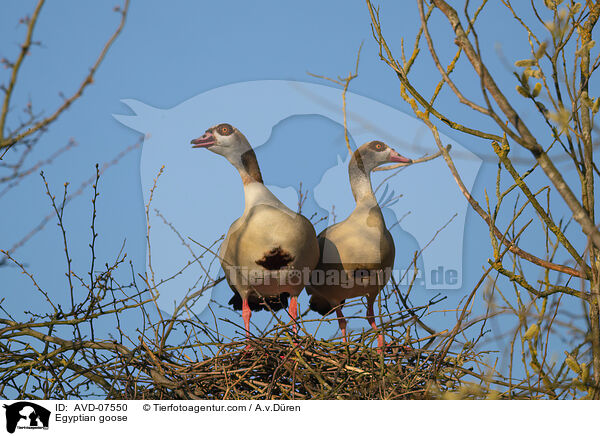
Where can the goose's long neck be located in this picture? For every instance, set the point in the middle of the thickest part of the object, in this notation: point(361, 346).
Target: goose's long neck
point(247, 166)
point(360, 182)
point(255, 192)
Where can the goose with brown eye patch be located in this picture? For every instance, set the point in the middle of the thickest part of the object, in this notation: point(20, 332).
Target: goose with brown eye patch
point(266, 248)
point(359, 250)
point(225, 129)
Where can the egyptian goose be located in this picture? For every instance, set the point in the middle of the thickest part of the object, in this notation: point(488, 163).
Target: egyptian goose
point(357, 254)
point(269, 249)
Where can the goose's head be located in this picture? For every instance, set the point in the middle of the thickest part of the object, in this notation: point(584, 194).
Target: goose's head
point(223, 139)
point(375, 153)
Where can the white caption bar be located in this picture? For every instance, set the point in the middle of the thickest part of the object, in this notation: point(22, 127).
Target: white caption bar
point(287, 418)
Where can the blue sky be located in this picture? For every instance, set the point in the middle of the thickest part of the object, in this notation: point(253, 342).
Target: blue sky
point(171, 52)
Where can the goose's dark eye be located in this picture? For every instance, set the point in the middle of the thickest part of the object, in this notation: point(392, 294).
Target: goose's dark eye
point(225, 129)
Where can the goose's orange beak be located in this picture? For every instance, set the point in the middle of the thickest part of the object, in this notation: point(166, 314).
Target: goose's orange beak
point(205, 140)
point(395, 157)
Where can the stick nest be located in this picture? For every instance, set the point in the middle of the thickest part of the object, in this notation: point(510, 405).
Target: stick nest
point(283, 368)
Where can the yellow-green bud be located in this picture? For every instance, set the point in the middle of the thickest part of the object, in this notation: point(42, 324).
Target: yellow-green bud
point(537, 74)
point(572, 363)
point(522, 91)
point(579, 385)
point(541, 50)
point(525, 63)
point(585, 372)
point(533, 331)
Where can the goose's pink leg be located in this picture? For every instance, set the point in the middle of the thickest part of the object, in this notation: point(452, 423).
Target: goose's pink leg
point(246, 313)
point(342, 323)
point(371, 319)
point(294, 313)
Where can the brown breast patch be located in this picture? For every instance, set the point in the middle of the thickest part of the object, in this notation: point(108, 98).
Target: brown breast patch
point(275, 259)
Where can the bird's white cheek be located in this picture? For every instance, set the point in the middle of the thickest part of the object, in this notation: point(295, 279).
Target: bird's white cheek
point(215, 149)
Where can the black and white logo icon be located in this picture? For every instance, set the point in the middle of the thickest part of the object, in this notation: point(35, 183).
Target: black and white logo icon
point(26, 415)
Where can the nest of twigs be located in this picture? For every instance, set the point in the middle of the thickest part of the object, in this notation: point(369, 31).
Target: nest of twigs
point(301, 367)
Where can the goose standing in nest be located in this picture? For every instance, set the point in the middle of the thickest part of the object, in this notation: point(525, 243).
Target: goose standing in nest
point(359, 251)
point(268, 250)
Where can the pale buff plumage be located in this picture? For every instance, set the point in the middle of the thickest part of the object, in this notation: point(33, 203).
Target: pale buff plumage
point(268, 240)
point(361, 247)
